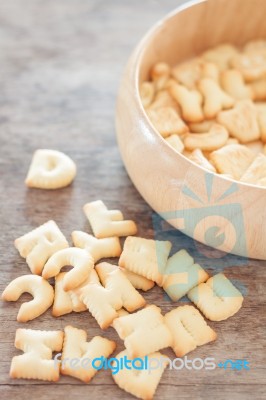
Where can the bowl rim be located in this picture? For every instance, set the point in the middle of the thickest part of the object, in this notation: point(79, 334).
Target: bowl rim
point(137, 57)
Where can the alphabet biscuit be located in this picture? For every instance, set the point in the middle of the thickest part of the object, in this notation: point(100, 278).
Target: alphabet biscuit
point(50, 169)
point(38, 348)
point(106, 223)
point(41, 291)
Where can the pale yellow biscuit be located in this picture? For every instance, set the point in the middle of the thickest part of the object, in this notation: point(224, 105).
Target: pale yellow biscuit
point(38, 348)
point(209, 70)
point(171, 81)
point(182, 274)
point(115, 279)
point(231, 140)
point(233, 160)
point(81, 261)
point(241, 121)
point(258, 89)
point(164, 99)
point(190, 102)
point(160, 73)
point(201, 127)
point(256, 45)
point(140, 382)
point(121, 313)
point(233, 83)
point(98, 248)
point(76, 347)
point(166, 121)
point(217, 299)
point(209, 141)
point(101, 303)
point(143, 332)
point(107, 223)
point(220, 55)
point(104, 301)
point(188, 328)
point(190, 72)
point(40, 244)
point(147, 92)
point(187, 73)
point(145, 257)
point(214, 98)
point(252, 65)
point(198, 157)
point(256, 172)
point(138, 281)
point(66, 302)
point(256, 146)
point(41, 291)
point(175, 142)
point(50, 169)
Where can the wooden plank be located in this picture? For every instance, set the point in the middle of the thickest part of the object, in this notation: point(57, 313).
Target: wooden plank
point(171, 392)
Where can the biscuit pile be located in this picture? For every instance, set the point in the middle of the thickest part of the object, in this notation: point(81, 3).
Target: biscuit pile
point(212, 109)
point(110, 293)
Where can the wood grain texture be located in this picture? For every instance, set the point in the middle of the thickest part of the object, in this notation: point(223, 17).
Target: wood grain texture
point(60, 65)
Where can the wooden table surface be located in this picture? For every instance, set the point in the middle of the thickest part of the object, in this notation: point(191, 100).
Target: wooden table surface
point(60, 64)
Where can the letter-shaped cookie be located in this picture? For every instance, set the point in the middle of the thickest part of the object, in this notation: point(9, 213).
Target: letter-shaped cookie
point(190, 72)
point(217, 299)
point(50, 169)
point(167, 121)
point(40, 244)
point(39, 288)
point(198, 157)
point(241, 121)
point(143, 332)
point(256, 173)
point(190, 102)
point(106, 223)
point(66, 302)
point(215, 99)
point(81, 261)
point(221, 55)
point(233, 160)
point(234, 84)
point(104, 301)
point(209, 141)
point(140, 382)
point(76, 347)
point(188, 329)
point(181, 275)
point(252, 65)
point(160, 74)
point(145, 257)
point(138, 281)
point(147, 93)
point(36, 362)
point(176, 143)
point(98, 248)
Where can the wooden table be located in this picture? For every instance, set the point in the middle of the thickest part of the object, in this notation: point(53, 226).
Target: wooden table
point(60, 64)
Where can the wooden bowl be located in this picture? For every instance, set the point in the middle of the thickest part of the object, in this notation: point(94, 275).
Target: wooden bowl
point(225, 214)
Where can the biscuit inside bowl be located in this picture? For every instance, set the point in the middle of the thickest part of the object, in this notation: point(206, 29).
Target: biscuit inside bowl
point(159, 173)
